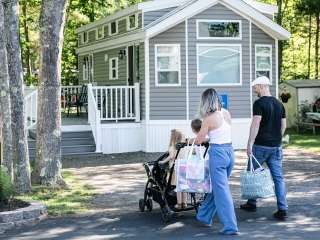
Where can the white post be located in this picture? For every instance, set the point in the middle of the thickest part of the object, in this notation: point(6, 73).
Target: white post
point(98, 132)
point(89, 101)
point(137, 101)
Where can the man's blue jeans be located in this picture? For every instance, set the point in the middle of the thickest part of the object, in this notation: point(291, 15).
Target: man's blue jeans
point(272, 156)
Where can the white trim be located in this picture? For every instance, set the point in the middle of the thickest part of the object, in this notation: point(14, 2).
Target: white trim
point(117, 28)
point(136, 21)
point(120, 40)
point(115, 68)
point(97, 34)
point(239, 7)
point(147, 79)
point(187, 69)
point(218, 38)
point(92, 68)
point(264, 55)
point(218, 45)
point(85, 67)
point(75, 128)
point(251, 72)
point(277, 67)
point(156, 55)
point(263, 7)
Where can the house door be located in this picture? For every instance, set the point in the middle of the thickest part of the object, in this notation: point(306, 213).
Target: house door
point(130, 66)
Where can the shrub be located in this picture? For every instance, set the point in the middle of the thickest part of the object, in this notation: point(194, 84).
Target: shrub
point(6, 186)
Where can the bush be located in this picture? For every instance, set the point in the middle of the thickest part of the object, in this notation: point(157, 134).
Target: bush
point(6, 187)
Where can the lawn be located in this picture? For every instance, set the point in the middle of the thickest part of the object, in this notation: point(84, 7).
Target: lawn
point(308, 142)
point(75, 199)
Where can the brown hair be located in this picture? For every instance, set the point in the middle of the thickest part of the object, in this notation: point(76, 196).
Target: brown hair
point(176, 137)
point(196, 125)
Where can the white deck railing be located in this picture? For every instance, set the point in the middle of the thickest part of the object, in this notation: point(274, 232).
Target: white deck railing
point(94, 118)
point(69, 90)
point(118, 102)
point(31, 101)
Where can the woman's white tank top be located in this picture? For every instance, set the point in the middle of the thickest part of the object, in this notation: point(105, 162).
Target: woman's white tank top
point(221, 135)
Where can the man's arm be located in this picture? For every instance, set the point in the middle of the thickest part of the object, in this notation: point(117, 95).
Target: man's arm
point(254, 129)
point(283, 126)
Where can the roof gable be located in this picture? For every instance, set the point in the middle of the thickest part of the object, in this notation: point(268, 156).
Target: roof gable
point(194, 7)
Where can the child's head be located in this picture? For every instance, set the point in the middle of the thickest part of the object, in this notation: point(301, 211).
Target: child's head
point(176, 137)
point(196, 125)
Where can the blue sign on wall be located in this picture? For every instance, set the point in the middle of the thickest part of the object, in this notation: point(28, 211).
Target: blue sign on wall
point(225, 100)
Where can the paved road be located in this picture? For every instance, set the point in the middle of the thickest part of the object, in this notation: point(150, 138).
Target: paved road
point(119, 182)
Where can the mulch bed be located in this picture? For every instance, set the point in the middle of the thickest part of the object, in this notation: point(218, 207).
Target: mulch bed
point(12, 205)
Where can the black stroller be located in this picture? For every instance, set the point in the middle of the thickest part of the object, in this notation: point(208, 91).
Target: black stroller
point(160, 190)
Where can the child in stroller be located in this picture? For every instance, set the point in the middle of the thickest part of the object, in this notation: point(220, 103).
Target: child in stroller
point(161, 183)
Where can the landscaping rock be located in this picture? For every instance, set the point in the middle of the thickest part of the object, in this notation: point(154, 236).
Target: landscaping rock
point(11, 216)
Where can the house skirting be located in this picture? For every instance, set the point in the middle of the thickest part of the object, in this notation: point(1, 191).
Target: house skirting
point(154, 135)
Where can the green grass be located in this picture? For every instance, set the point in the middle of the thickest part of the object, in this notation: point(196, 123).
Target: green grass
point(75, 199)
point(308, 142)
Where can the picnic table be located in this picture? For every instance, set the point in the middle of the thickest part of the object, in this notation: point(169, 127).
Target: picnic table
point(312, 116)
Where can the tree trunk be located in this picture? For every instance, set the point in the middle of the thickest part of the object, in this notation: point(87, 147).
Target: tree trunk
point(309, 45)
point(19, 132)
point(5, 105)
point(26, 33)
point(48, 155)
point(280, 43)
point(317, 47)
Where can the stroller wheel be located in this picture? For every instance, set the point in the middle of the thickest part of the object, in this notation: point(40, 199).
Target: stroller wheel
point(166, 214)
point(142, 205)
point(149, 204)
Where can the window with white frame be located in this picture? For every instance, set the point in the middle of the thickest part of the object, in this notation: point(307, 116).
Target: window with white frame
point(100, 32)
point(219, 64)
point(84, 38)
point(113, 28)
point(167, 63)
point(219, 29)
point(87, 68)
point(132, 22)
point(263, 64)
point(113, 68)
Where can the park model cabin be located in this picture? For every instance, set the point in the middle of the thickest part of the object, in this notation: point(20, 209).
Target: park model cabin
point(148, 65)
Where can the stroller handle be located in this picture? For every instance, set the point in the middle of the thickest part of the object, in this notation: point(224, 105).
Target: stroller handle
point(179, 146)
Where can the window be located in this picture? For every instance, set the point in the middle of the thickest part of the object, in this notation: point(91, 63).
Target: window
point(264, 61)
point(216, 29)
point(113, 68)
point(100, 32)
point(219, 64)
point(167, 65)
point(132, 22)
point(113, 28)
point(84, 38)
point(87, 68)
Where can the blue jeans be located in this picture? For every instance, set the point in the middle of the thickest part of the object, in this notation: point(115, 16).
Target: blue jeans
point(220, 201)
point(272, 156)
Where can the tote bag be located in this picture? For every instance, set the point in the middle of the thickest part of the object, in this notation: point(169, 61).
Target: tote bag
point(193, 173)
point(256, 183)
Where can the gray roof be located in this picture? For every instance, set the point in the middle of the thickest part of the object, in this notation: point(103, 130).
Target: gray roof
point(303, 83)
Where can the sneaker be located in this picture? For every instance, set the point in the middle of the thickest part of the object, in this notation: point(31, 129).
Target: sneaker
point(228, 233)
point(248, 207)
point(280, 215)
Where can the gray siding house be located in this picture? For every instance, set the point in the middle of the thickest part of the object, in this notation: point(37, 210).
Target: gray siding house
point(172, 50)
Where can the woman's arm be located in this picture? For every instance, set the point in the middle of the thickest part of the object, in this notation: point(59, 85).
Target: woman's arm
point(202, 135)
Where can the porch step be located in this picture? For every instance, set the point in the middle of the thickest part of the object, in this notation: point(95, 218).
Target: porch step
point(72, 143)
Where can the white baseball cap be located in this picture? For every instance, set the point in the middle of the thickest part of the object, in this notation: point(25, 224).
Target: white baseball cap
point(262, 81)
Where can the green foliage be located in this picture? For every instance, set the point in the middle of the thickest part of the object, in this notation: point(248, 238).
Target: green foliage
point(6, 187)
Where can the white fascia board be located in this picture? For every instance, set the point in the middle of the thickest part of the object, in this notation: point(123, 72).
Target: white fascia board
point(259, 19)
point(119, 14)
point(160, 4)
point(180, 16)
point(138, 36)
point(263, 7)
point(238, 5)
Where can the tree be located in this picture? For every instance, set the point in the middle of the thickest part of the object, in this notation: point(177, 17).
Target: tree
point(19, 132)
point(5, 103)
point(24, 4)
point(48, 155)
